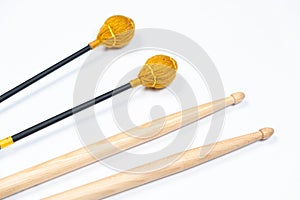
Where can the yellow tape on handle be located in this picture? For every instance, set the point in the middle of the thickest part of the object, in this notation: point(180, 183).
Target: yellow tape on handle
point(6, 142)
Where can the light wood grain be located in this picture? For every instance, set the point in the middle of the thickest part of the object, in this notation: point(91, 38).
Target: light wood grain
point(102, 149)
point(191, 158)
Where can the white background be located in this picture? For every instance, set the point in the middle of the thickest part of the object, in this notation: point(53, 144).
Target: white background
point(254, 44)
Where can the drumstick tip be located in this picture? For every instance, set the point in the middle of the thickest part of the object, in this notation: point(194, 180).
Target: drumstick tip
point(266, 133)
point(238, 97)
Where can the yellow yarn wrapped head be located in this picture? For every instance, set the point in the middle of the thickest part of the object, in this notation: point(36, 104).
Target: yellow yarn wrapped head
point(116, 32)
point(158, 72)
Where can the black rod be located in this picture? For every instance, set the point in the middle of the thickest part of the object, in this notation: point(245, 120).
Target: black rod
point(69, 112)
point(44, 73)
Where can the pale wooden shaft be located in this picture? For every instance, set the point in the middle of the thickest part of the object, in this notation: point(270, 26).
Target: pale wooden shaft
point(102, 149)
point(125, 181)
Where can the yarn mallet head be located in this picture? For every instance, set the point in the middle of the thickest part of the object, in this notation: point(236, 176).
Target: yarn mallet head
point(158, 72)
point(116, 32)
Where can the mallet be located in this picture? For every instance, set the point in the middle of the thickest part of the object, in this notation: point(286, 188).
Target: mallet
point(82, 157)
point(124, 181)
point(116, 32)
point(158, 72)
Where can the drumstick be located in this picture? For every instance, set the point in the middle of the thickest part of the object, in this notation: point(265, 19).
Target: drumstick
point(82, 157)
point(116, 32)
point(158, 72)
point(124, 181)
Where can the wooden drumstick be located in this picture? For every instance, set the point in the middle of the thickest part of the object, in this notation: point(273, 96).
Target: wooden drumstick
point(124, 181)
point(82, 157)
